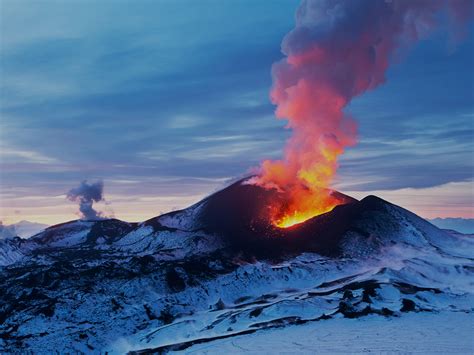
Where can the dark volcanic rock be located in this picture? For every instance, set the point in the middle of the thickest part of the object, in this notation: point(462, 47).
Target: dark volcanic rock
point(239, 214)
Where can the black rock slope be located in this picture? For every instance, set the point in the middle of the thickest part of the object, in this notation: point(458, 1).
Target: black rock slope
point(219, 269)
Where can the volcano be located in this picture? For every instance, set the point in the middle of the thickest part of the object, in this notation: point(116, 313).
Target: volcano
point(241, 215)
point(221, 269)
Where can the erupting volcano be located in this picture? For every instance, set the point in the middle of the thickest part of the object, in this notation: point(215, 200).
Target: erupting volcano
point(337, 51)
point(278, 261)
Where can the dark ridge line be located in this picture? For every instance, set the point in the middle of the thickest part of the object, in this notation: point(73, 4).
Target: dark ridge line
point(184, 345)
point(187, 344)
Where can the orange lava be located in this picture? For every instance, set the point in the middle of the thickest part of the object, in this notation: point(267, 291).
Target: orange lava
point(296, 217)
point(300, 204)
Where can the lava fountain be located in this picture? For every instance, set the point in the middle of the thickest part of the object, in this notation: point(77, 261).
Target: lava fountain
point(338, 50)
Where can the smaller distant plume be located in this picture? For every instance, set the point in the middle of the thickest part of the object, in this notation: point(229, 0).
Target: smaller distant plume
point(86, 194)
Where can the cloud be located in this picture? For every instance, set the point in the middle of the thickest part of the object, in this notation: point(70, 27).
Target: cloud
point(185, 121)
point(26, 156)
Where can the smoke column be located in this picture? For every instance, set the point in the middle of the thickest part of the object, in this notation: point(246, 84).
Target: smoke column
point(86, 194)
point(337, 51)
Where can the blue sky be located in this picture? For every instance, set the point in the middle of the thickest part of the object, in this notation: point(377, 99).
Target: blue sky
point(166, 101)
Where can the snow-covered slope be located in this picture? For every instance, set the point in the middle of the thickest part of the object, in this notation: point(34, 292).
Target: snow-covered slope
point(12, 250)
point(186, 279)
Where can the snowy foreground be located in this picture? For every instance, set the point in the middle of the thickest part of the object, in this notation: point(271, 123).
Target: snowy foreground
point(443, 333)
point(368, 276)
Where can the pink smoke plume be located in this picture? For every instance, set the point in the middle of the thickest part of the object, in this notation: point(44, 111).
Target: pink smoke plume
point(337, 51)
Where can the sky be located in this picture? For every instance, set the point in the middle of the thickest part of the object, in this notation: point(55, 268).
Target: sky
point(167, 101)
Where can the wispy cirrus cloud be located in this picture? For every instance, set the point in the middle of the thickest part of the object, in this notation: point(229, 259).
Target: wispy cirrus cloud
point(28, 156)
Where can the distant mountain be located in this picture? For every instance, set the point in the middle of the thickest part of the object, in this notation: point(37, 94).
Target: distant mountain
point(462, 225)
point(219, 269)
point(7, 232)
point(23, 229)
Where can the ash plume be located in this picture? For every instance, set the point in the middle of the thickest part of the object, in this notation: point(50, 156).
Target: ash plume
point(338, 50)
point(86, 194)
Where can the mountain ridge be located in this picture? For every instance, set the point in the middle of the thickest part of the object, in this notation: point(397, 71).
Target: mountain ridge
point(181, 278)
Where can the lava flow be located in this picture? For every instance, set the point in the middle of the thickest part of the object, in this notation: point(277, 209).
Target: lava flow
point(337, 51)
point(300, 204)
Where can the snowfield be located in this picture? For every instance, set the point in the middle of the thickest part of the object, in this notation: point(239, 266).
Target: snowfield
point(443, 333)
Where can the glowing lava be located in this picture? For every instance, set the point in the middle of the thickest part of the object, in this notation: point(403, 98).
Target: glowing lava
point(296, 217)
point(300, 204)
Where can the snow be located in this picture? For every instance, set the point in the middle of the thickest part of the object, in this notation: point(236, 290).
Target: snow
point(184, 219)
point(167, 245)
point(420, 333)
point(257, 295)
point(10, 251)
point(153, 287)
